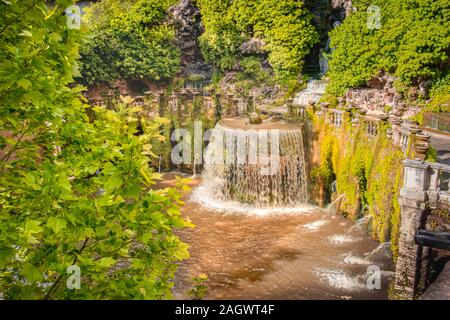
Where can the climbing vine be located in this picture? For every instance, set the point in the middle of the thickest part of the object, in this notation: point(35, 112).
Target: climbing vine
point(366, 170)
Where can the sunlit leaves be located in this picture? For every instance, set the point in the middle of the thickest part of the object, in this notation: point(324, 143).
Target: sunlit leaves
point(129, 40)
point(412, 44)
point(56, 224)
point(284, 26)
point(75, 185)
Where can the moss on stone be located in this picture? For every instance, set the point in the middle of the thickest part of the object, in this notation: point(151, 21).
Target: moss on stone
point(367, 170)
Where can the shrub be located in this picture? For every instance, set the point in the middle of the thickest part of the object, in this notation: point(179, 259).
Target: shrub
point(129, 40)
point(76, 188)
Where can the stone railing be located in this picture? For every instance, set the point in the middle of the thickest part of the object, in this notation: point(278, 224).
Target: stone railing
point(426, 186)
point(429, 181)
point(334, 117)
point(437, 121)
point(297, 112)
point(402, 133)
point(238, 106)
point(371, 124)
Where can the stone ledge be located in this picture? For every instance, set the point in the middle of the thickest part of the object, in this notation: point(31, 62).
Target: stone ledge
point(413, 197)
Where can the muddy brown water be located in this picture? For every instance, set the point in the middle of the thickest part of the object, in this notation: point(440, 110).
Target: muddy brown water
point(310, 254)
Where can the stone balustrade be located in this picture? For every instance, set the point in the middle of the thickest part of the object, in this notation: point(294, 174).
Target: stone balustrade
point(426, 186)
point(297, 112)
point(370, 124)
point(427, 180)
point(403, 138)
point(401, 132)
point(334, 117)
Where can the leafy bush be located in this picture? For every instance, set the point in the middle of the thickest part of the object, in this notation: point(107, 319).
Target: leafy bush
point(129, 40)
point(75, 186)
point(283, 25)
point(413, 43)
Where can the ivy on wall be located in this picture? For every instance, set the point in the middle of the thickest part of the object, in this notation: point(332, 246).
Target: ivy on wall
point(189, 110)
point(367, 171)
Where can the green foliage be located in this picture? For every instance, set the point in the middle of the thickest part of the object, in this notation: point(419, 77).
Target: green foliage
point(129, 40)
point(199, 290)
point(252, 70)
point(283, 25)
point(412, 43)
point(431, 155)
point(75, 186)
point(439, 98)
point(367, 171)
point(383, 191)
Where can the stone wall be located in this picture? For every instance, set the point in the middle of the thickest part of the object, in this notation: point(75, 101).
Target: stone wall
point(423, 190)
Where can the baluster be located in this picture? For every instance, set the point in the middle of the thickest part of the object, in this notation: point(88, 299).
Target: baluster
point(436, 185)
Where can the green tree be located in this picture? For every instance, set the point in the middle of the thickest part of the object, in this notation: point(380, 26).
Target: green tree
point(129, 40)
point(412, 44)
point(285, 27)
point(75, 185)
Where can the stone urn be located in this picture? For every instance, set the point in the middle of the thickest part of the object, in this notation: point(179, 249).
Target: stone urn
point(383, 117)
point(254, 118)
point(415, 129)
point(389, 133)
point(423, 137)
point(395, 120)
point(420, 149)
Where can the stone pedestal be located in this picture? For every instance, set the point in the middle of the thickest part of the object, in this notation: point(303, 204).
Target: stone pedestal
point(413, 199)
point(408, 261)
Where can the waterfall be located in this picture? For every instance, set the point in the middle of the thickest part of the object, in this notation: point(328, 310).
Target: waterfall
point(262, 167)
point(313, 92)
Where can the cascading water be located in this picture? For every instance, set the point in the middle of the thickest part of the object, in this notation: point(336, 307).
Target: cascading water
point(258, 166)
point(313, 92)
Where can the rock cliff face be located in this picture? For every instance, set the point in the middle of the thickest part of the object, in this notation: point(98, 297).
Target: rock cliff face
point(187, 20)
point(378, 94)
point(342, 8)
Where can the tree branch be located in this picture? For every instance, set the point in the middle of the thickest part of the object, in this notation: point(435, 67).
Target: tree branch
point(17, 18)
point(47, 296)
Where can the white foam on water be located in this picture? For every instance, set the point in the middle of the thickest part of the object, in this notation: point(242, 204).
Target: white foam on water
point(313, 92)
point(202, 195)
point(314, 226)
point(383, 249)
point(341, 238)
point(340, 280)
point(352, 259)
